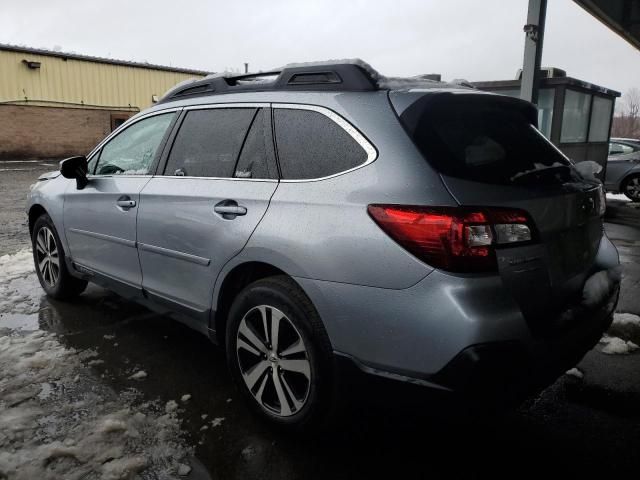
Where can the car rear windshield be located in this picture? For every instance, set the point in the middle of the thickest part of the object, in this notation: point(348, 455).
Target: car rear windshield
point(485, 140)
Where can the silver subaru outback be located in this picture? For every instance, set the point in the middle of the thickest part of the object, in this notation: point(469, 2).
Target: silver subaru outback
point(324, 219)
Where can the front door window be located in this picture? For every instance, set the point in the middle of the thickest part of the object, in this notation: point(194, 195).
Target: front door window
point(133, 151)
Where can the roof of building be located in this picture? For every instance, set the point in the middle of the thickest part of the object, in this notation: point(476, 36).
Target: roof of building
point(89, 58)
point(549, 82)
point(621, 16)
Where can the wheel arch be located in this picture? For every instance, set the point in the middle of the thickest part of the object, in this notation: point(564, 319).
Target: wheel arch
point(634, 173)
point(35, 212)
point(233, 282)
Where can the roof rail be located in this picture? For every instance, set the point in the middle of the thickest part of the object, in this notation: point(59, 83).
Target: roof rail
point(319, 77)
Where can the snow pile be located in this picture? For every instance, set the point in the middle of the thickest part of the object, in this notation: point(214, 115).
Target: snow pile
point(574, 372)
point(589, 169)
point(626, 319)
point(19, 288)
point(599, 285)
point(617, 346)
point(216, 422)
point(57, 421)
point(618, 196)
point(139, 375)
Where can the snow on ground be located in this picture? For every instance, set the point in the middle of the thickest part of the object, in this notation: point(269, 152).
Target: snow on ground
point(617, 196)
point(139, 375)
point(19, 293)
point(617, 346)
point(623, 319)
point(216, 422)
point(623, 198)
point(574, 372)
point(57, 420)
point(53, 425)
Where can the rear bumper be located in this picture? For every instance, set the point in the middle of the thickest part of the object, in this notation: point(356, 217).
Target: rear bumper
point(522, 368)
point(507, 371)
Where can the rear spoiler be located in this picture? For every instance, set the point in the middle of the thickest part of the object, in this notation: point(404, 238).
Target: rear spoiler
point(410, 105)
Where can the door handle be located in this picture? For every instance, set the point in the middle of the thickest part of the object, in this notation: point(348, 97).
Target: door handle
point(126, 203)
point(229, 209)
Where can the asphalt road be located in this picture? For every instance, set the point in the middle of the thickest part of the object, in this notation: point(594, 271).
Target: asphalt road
point(588, 427)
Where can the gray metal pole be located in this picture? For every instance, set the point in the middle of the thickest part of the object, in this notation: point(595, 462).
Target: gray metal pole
point(534, 31)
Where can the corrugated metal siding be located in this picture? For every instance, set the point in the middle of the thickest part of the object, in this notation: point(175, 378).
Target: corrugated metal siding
point(81, 82)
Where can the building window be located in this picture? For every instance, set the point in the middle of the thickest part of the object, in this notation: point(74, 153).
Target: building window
point(545, 106)
point(545, 110)
point(600, 119)
point(118, 119)
point(575, 118)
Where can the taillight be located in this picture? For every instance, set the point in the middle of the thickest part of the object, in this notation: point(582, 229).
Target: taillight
point(456, 239)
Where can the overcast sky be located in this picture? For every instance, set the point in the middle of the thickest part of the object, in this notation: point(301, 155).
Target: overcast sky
point(471, 39)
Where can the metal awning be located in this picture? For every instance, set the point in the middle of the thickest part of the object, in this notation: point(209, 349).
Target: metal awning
point(621, 16)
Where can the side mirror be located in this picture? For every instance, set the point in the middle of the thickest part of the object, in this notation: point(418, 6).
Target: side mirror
point(76, 167)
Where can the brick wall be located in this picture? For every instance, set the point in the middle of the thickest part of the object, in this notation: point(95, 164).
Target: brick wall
point(28, 131)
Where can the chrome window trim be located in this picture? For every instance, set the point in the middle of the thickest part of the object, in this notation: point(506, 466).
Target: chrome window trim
point(370, 150)
point(269, 180)
point(115, 175)
point(209, 106)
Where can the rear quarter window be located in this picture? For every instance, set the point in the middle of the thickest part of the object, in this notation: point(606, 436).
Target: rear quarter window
point(311, 145)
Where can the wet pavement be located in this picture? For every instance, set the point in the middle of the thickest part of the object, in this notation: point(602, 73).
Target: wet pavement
point(588, 425)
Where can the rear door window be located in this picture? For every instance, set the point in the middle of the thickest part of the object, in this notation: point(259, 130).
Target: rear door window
point(311, 145)
point(485, 141)
point(209, 141)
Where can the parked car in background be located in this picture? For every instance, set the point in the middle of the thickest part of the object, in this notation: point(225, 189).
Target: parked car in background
point(323, 219)
point(623, 167)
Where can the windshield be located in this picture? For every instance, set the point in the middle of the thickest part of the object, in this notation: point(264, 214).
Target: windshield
point(488, 142)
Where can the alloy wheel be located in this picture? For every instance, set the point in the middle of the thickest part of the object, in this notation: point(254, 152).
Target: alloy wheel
point(632, 188)
point(48, 259)
point(273, 360)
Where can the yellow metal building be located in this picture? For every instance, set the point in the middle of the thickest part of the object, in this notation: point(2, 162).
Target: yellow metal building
point(54, 104)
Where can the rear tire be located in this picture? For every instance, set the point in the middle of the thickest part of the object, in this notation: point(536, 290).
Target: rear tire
point(631, 188)
point(280, 356)
point(50, 262)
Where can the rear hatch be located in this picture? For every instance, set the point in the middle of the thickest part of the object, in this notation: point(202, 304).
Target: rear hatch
point(489, 153)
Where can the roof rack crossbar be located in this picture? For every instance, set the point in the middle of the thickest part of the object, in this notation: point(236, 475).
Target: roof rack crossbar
point(324, 77)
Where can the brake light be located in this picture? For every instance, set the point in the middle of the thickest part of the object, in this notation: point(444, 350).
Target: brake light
point(453, 238)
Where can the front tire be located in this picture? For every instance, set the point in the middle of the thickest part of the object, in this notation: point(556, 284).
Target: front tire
point(631, 188)
point(279, 354)
point(49, 259)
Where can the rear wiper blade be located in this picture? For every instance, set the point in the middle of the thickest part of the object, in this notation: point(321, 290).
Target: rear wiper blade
point(546, 169)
